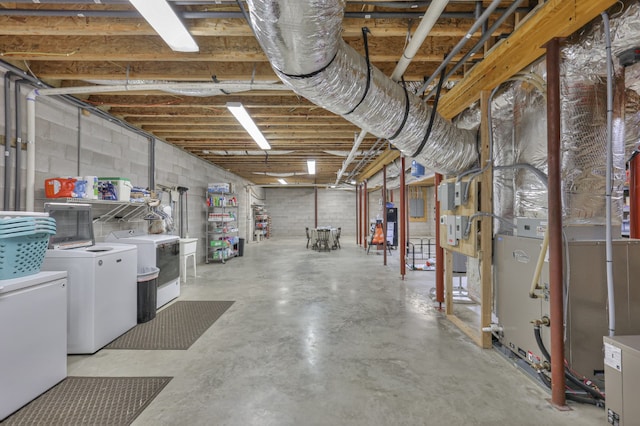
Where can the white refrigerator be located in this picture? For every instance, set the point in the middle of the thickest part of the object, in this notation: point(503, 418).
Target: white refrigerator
point(33, 337)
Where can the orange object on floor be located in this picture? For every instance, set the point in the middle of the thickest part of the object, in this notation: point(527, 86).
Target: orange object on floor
point(378, 236)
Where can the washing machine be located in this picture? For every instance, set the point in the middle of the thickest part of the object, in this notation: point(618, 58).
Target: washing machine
point(101, 278)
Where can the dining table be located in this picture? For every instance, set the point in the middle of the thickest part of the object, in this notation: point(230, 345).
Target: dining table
point(315, 236)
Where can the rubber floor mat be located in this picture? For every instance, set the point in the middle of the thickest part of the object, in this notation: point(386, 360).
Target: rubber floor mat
point(112, 401)
point(176, 327)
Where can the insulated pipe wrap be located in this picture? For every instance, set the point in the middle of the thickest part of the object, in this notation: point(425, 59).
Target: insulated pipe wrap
point(303, 43)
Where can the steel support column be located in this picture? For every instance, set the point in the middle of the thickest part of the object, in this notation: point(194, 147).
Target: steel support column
point(365, 210)
point(384, 213)
point(558, 397)
point(402, 217)
point(634, 192)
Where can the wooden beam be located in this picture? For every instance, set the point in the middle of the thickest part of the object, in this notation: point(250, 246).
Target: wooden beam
point(555, 18)
point(198, 70)
point(221, 49)
point(388, 156)
point(486, 225)
point(79, 26)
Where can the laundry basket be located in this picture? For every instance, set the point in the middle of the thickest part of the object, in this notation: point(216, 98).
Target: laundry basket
point(22, 253)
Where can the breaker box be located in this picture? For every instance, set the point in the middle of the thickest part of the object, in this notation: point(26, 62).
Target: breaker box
point(446, 195)
point(622, 378)
point(460, 189)
point(531, 228)
point(461, 226)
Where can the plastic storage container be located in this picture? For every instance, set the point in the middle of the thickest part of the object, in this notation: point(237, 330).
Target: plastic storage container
point(121, 187)
point(147, 293)
point(23, 244)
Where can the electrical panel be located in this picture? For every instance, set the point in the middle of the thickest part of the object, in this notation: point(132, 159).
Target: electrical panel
point(461, 227)
point(451, 231)
point(455, 227)
point(446, 195)
point(530, 228)
point(460, 189)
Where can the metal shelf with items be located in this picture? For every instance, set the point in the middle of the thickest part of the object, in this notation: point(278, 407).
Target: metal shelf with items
point(261, 223)
point(222, 226)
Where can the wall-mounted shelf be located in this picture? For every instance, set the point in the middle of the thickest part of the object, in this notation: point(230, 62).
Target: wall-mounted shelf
point(107, 210)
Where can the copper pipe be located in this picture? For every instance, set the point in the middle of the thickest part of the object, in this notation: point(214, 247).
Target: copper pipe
point(402, 217)
point(384, 213)
point(634, 192)
point(555, 223)
point(315, 206)
point(439, 249)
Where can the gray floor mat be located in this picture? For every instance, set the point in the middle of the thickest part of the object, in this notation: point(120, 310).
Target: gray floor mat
point(176, 327)
point(112, 401)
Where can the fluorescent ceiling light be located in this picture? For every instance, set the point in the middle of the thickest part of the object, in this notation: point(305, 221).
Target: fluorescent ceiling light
point(311, 166)
point(243, 117)
point(166, 23)
point(282, 181)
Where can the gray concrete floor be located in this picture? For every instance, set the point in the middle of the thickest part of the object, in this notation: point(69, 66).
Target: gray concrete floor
point(329, 339)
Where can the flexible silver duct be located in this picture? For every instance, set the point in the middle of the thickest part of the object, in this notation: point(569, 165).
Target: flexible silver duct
point(584, 124)
point(530, 122)
point(303, 42)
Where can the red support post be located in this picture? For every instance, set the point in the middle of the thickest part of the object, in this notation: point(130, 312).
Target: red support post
point(315, 206)
point(634, 192)
point(402, 217)
point(365, 209)
point(558, 397)
point(384, 213)
point(357, 215)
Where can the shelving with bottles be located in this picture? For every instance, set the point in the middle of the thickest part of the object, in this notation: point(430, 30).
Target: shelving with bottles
point(261, 223)
point(222, 226)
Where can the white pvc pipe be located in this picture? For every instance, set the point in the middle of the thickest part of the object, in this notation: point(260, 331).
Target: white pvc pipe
point(352, 154)
point(609, 181)
point(426, 24)
point(31, 149)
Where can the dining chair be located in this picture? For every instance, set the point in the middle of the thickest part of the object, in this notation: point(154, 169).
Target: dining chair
point(323, 240)
point(337, 238)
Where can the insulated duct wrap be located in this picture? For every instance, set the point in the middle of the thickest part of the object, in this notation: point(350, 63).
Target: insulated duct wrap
point(632, 123)
point(504, 153)
point(530, 129)
point(584, 126)
point(302, 40)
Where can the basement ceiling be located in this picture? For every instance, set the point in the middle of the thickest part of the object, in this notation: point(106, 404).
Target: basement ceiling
point(100, 42)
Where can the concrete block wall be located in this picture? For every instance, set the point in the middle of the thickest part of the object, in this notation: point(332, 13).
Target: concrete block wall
point(292, 210)
point(417, 228)
point(72, 143)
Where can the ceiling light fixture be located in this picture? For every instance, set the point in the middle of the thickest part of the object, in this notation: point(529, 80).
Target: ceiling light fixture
point(282, 181)
point(243, 117)
point(311, 166)
point(166, 23)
